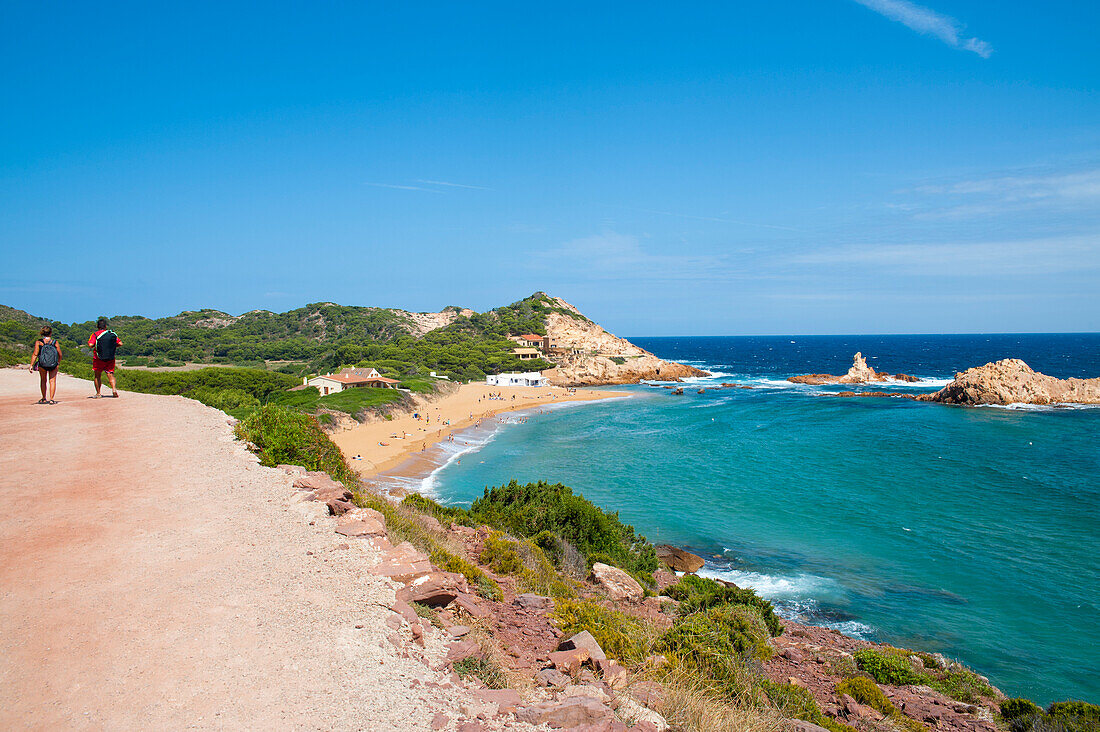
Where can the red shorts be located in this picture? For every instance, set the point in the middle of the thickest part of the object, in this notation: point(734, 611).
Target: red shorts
point(98, 365)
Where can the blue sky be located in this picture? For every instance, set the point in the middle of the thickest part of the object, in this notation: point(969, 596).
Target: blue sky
point(829, 166)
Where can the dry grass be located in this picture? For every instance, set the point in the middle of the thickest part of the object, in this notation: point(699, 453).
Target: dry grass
point(690, 703)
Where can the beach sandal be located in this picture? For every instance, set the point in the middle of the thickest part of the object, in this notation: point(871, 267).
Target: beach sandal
point(52, 401)
point(96, 396)
point(42, 401)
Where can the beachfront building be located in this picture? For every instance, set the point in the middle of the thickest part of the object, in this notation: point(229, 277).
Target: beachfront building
point(350, 378)
point(532, 378)
point(526, 354)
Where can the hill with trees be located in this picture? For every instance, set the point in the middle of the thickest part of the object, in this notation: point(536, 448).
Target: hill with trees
point(316, 338)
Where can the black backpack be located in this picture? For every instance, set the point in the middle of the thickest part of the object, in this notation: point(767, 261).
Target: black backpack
point(105, 345)
point(48, 357)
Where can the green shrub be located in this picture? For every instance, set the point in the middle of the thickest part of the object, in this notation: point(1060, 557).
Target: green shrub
point(1068, 716)
point(227, 400)
point(284, 435)
point(488, 672)
point(1016, 708)
point(1075, 715)
point(1078, 709)
point(624, 637)
point(928, 660)
point(720, 643)
point(448, 562)
point(446, 514)
point(867, 692)
point(525, 561)
point(798, 703)
point(700, 593)
point(528, 510)
point(14, 357)
point(961, 684)
point(563, 554)
point(888, 668)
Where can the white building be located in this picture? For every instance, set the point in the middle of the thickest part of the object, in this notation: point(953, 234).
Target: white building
point(350, 379)
point(533, 378)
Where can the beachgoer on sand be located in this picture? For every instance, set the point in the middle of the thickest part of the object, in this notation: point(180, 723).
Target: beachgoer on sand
point(46, 358)
point(103, 343)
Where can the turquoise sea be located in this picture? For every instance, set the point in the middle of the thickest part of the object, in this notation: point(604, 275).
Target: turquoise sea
point(968, 531)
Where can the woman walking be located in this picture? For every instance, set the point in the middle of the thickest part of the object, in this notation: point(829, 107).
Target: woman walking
point(47, 357)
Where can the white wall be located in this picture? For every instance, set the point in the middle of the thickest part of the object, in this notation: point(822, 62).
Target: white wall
point(321, 382)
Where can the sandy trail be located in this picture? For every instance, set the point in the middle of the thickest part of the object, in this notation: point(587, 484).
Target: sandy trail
point(154, 576)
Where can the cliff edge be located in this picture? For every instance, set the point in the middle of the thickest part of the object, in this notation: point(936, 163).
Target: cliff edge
point(1012, 381)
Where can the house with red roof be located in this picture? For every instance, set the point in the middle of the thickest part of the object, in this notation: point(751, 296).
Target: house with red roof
point(351, 378)
point(533, 340)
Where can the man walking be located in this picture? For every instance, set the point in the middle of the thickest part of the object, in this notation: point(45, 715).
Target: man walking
point(103, 344)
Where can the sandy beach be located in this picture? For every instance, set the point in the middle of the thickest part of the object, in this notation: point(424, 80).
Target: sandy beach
point(384, 444)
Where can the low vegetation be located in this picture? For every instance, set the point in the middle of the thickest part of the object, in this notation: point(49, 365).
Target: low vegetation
point(285, 436)
point(354, 402)
point(482, 669)
point(532, 508)
point(564, 528)
point(895, 666)
point(524, 560)
point(700, 593)
point(1022, 715)
point(622, 636)
point(867, 692)
point(797, 702)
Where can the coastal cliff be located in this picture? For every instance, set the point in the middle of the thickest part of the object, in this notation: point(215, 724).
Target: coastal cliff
point(587, 355)
point(1012, 381)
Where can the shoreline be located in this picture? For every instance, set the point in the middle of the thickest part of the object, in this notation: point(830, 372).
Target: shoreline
point(377, 447)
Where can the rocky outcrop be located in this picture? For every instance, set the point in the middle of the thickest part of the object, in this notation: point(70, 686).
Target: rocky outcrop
point(616, 583)
point(1012, 381)
point(587, 355)
point(594, 370)
point(859, 373)
point(678, 559)
point(421, 323)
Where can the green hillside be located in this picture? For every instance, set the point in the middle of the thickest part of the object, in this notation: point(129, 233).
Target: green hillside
point(315, 338)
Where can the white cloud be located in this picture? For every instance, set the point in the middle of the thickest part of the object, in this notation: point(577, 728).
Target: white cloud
point(1084, 185)
point(1041, 256)
point(452, 185)
point(928, 21)
point(1062, 193)
point(399, 187)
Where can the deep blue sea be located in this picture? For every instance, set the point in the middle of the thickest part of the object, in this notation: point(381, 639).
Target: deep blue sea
point(968, 531)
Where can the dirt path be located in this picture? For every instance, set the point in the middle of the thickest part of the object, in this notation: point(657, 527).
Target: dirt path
point(154, 576)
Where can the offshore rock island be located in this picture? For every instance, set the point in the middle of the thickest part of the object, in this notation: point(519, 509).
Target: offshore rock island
point(1005, 382)
point(859, 373)
point(1012, 381)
